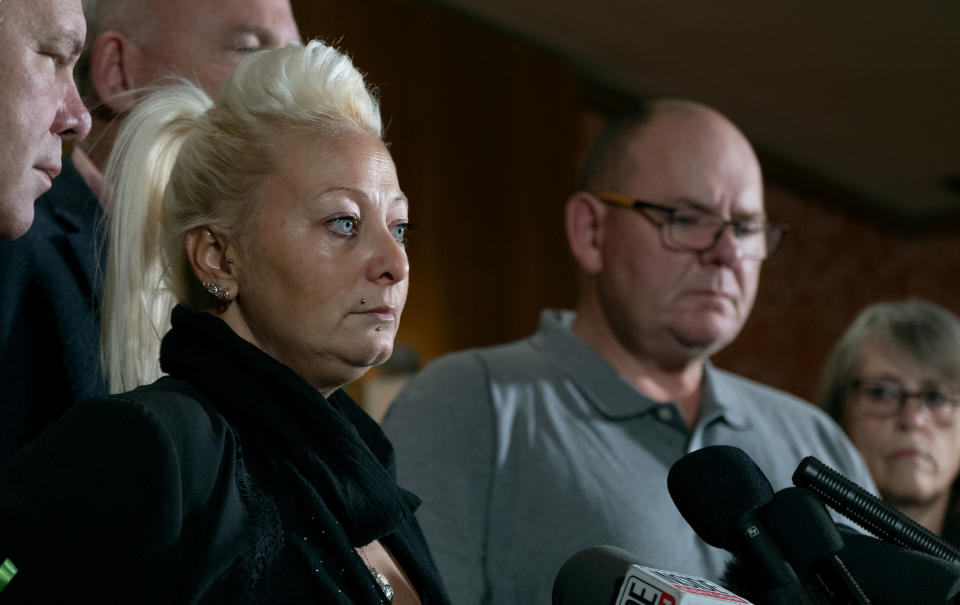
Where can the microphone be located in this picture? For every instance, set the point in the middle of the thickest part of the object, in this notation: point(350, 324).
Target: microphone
point(718, 490)
point(803, 529)
point(893, 575)
point(889, 574)
point(868, 511)
point(602, 575)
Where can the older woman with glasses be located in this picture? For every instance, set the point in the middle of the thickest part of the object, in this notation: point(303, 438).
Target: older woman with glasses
point(893, 383)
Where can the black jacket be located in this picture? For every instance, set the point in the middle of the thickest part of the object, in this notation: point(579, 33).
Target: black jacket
point(49, 317)
point(169, 494)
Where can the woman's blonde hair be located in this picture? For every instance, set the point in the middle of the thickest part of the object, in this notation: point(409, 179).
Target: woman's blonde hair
point(181, 161)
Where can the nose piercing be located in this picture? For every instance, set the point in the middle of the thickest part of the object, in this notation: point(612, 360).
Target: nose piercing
point(363, 301)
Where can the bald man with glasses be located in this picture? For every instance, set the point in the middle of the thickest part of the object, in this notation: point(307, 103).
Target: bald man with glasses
point(527, 453)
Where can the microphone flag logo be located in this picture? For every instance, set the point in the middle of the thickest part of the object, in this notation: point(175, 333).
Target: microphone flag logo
point(650, 586)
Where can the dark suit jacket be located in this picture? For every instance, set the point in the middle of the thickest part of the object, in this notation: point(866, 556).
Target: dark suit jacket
point(49, 315)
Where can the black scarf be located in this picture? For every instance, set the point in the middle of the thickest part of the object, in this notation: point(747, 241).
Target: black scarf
point(326, 463)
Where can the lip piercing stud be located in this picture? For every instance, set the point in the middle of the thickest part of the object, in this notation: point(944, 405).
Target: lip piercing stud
point(379, 328)
point(363, 301)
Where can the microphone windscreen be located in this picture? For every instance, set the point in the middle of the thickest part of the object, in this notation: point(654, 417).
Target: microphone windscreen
point(894, 575)
point(592, 576)
point(714, 488)
point(802, 527)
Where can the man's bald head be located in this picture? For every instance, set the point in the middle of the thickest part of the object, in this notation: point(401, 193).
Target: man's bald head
point(658, 127)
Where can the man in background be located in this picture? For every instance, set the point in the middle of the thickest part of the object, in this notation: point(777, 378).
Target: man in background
point(525, 454)
point(40, 41)
point(49, 316)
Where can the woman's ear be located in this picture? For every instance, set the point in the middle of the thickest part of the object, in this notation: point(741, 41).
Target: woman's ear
point(584, 220)
point(212, 259)
point(113, 61)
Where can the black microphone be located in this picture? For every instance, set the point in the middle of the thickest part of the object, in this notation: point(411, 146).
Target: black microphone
point(607, 575)
point(718, 490)
point(809, 539)
point(887, 573)
point(894, 575)
point(868, 511)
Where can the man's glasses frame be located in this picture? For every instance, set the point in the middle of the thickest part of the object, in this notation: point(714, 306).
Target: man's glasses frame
point(683, 236)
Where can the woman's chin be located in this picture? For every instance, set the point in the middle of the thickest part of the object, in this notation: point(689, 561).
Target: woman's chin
point(373, 355)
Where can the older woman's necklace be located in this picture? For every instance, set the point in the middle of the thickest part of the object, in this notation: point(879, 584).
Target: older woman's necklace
point(378, 577)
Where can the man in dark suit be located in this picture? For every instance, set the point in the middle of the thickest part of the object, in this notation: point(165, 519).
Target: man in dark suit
point(49, 286)
point(40, 41)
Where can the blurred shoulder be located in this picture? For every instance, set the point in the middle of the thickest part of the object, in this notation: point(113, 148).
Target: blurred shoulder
point(752, 394)
point(466, 377)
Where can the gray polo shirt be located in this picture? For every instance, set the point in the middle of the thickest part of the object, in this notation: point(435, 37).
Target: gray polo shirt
point(526, 453)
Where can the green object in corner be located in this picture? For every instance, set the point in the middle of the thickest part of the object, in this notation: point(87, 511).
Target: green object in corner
point(7, 571)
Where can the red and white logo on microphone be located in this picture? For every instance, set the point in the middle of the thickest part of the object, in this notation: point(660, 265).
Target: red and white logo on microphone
point(650, 586)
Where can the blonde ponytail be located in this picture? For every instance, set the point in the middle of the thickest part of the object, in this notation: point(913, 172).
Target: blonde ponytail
point(137, 300)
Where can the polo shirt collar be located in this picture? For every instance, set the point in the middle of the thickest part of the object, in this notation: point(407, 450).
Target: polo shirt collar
point(722, 398)
point(606, 389)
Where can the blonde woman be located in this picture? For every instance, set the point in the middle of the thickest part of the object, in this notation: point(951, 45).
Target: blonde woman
point(275, 222)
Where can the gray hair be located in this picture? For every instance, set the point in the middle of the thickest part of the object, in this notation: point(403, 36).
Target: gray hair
point(182, 162)
point(924, 332)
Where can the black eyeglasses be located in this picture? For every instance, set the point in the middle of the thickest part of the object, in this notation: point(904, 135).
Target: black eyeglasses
point(697, 230)
point(883, 398)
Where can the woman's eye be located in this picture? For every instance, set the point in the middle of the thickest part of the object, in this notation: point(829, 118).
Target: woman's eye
point(344, 225)
point(883, 393)
point(399, 232)
point(934, 398)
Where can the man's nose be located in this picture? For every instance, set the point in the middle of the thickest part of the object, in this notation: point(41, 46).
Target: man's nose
point(727, 249)
point(72, 122)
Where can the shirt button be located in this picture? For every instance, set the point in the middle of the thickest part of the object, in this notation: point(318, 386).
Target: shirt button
point(665, 413)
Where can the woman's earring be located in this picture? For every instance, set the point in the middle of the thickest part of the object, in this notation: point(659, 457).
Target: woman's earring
point(221, 294)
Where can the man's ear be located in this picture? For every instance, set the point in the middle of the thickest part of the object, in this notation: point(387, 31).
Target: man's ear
point(212, 259)
point(584, 220)
point(113, 62)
